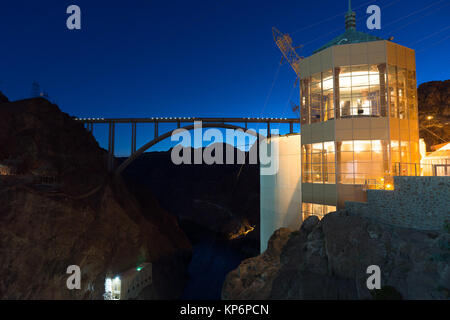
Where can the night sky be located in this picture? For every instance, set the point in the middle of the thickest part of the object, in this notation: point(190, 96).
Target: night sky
point(190, 58)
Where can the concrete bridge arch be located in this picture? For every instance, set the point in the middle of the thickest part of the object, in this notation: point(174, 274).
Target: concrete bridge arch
point(166, 135)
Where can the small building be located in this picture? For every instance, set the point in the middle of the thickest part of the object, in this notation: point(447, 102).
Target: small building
point(437, 163)
point(129, 284)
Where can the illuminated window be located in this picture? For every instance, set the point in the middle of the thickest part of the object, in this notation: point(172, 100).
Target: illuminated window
point(317, 98)
point(112, 289)
point(318, 163)
point(360, 160)
point(361, 90)
point(315, 209)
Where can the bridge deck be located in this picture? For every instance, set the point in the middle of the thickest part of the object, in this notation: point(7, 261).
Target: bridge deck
point(208, 122)
point(187, 119)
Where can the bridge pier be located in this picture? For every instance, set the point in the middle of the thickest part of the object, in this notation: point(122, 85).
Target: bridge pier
point(156, 130)
point(90, 127)
point(133, 137)
point(111, 139)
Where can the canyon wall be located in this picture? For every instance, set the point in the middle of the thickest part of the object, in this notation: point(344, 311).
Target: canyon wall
point(61, 208)
point(434, 102)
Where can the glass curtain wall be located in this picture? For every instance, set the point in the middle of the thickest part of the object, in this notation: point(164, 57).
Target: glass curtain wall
point(359, 91)
point(362, 160)
point(317, 102)
point(357, 161)
point(403, 121)
point(318, 162)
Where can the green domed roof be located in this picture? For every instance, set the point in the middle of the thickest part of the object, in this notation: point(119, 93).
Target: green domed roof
point(350, 35)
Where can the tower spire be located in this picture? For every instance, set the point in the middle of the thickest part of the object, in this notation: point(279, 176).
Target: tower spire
point(350, 18)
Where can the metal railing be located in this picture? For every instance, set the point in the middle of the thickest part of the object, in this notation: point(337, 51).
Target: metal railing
point(385, 183)
point(407, 169)
point(421, 170)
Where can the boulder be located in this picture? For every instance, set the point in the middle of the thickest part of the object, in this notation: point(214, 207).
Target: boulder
point(330, 261)
point(253, 278)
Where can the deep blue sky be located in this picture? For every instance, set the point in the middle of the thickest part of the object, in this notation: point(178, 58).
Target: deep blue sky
point(142, 58)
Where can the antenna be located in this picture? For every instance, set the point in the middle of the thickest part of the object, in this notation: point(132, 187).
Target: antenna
point(35, 89)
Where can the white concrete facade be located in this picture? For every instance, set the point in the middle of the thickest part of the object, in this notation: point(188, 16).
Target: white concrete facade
point(280, 193)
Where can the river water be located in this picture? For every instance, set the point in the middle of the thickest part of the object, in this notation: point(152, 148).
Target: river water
point(212, 259)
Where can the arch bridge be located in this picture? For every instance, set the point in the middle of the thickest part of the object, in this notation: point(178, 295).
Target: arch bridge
point(186, 123)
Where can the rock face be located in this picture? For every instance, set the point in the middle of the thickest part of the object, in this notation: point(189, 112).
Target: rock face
point(328, 259)
point(81, 217)
point(3, 98)
point(38, 139)
point(434, 101)
point(253, 278)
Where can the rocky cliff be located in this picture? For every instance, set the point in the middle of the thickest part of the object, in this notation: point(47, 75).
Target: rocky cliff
point(434, 112)
point(328, 259)
point(61, 208)
point(3, 98)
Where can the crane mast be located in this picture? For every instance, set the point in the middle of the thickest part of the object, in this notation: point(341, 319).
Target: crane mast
point(284, 42)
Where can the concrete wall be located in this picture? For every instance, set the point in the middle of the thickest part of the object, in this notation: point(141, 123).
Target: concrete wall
point(417, 202)
point(280, 200)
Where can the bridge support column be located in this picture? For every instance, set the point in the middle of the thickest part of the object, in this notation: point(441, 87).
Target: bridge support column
point(156, 130)
point(133, 137)
point(291, 127)
point(268, 130)
point(111, 139)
